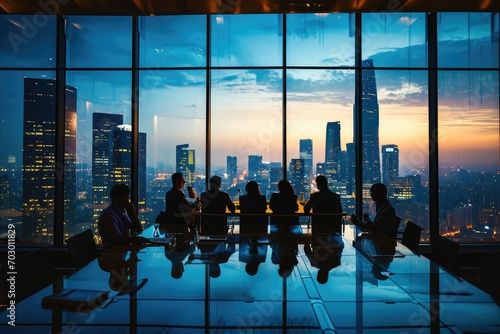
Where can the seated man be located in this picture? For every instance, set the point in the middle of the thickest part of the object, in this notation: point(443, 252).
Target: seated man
point(215, 202)
point(325, 202)
point(385, 215)
point(178, 210)
point(119, 222)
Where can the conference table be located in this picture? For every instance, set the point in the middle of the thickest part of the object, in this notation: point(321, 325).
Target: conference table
point(284, 281)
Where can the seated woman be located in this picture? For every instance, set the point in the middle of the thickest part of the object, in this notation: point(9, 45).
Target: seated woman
point(253, 203)
point(284, 203)
point(215, 202)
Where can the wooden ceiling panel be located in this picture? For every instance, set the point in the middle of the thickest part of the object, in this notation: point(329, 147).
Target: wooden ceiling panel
point(163, 7)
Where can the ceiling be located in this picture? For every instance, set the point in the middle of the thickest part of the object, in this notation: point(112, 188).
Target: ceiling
point(165, 7)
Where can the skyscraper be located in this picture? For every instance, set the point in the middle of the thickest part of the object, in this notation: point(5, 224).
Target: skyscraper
point(121, 159)
point(332, 145)
point(298, 178)
point(70, 126)
point(370, 160)
point(390, 163)
point(254, 162)
point(306, 153)
point(39, 164)
point(103, 127)
point(185, 162)
point(231, 168)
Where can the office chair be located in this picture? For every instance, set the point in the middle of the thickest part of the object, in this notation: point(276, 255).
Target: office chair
point(446, 253)
point(82, 248)
point(395, 228)
point(411, 236)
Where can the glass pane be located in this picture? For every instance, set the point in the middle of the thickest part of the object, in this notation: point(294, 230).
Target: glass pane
point(173, 118)
point(395, 39)
point(98, 41)
point(28, 41)
point(395, 143)
point(247, 126)
point(27, 158)
point(469, 158)
point(467, 40)
point(320, 39)
point(247, 40)
point(320, 131)
point(103, 143)
point(173, 41)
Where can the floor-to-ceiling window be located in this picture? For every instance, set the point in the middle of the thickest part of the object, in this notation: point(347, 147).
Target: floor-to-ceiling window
point(27, 127)
point(394, 113)
point(249, 97)
point(469, 126)
point(172, 104)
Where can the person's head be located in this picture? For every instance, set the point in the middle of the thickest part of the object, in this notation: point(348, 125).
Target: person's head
point(322, 276)
point(177, 269)
point(119, 194)
point(215, 182)
point(214, 270)
point(252, 188)
point(285, 187)
point(321, 182)
point(178, 180)
point(252, 268)
point(378, 192)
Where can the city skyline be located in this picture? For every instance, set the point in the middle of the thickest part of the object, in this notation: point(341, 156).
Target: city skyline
point(256, 111)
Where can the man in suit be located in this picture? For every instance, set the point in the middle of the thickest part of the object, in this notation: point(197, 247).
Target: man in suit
point(215, 201)
point(326, 203)
point(384, 219)
point(178, 209)
point(118, 223)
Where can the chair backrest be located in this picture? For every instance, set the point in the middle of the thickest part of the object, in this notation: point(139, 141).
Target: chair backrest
point(395, 228)
point(82, 248)
point(411, 236)
point(445, 253)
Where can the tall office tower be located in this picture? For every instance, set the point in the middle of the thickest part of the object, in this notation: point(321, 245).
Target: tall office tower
point(103, 126)
point(332, 145)
point(185, 162)
point(142, 183)
point(70, 126)
point(39, 164)
point(306, 153)
point(121, 160)
point(275, 175)
point(231, 168)
point(298, 178)
point(370, 162)
point(351, 168)
point(390, 163)
point(254, 162)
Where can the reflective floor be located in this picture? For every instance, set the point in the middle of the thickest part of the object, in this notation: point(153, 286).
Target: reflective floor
point(276, 283)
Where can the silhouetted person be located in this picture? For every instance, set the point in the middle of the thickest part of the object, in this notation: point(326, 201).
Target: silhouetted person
point(213, 255)
point(284, 203)
point(118, 223)
point(384, 220)
point(252, 254)
point(215, 202)
point(177, 256)
point(324, 202)
point(324, 253)
point(253, 203)
point(284, 253)
point(120, 268)
point(178, 209)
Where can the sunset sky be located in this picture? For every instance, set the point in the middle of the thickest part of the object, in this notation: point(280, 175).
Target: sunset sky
point(247, 103)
